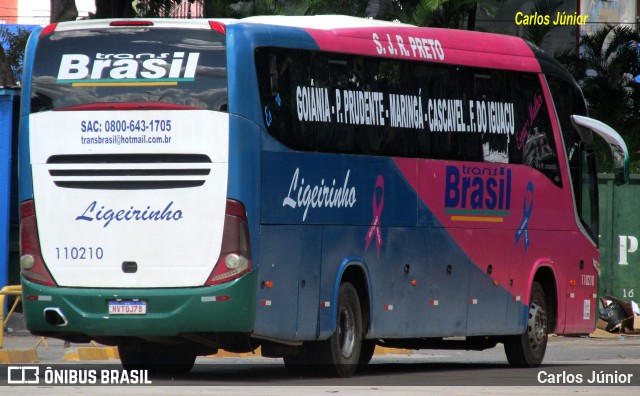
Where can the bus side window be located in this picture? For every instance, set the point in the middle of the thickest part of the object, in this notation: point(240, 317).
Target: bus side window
point(382, 79)
point(345, 79)
point(484, 87)
point(438, 84)
point(277, 81)
point(273, 74)
point(534, 144)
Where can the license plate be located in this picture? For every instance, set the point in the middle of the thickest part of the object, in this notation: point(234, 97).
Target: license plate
point(127, 307)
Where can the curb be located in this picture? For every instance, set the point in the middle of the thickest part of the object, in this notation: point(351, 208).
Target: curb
point(19, 356)
point(391, 351)
point(257, 353)
point(92, 353)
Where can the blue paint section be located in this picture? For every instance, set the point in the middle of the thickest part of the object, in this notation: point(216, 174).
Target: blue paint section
point(286, 266)
point(421, 282)
point(245, 112)
point(243, 172)
point(290, 263)
point(24, 166)
point(7, 102)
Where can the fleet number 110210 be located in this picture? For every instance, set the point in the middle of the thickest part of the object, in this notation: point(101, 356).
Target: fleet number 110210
point(79, 253)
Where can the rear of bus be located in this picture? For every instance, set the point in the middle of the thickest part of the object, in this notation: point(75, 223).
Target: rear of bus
point(127, 229)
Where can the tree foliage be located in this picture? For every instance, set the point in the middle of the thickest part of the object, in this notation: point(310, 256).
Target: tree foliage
point(16, 42)
point(454, 14)
point(6, 76)
point(537, 33)
point(605, 71)
point(609, 62)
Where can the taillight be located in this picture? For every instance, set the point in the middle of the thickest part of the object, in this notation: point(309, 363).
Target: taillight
point(135, 22)
point(235, 254)
point(47, 30)
point(31, 264)
point(218, 27)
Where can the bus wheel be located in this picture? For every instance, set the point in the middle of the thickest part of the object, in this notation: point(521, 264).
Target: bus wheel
point(340, 354)
point(366, 353)
point(175, 363)
point(527, 350)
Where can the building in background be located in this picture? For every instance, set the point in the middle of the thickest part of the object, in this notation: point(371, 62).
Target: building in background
point(600, 12)
point(184, 10)
point(616, 12)
point(36, 12)
point(557, 37)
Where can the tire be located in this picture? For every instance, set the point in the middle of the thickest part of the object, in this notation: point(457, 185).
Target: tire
point(340, 354)
point(366, 353)
point(528, 349)
point(169, 363)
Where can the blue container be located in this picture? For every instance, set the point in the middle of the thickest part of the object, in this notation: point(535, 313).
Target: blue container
point(8, 129)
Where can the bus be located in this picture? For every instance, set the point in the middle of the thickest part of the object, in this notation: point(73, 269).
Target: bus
point(313, 186)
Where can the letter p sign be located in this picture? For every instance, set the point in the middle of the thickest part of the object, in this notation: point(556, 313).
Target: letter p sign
point(628, 244)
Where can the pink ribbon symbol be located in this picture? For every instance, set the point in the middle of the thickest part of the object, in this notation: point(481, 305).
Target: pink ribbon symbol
point(377, 212)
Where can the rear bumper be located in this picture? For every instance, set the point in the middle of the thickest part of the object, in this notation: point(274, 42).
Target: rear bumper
point(169, 311)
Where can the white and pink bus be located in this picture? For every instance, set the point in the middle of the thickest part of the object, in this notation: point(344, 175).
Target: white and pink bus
point(314, 186)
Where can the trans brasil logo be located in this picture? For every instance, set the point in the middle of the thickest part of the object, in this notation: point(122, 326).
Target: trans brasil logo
point(476, 193)
point(127, 69)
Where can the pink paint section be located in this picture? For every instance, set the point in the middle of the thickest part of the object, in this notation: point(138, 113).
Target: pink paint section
point(555, 241)
point(448, 46)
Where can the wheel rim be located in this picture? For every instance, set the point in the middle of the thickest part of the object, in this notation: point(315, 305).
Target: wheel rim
point(537, 326)
point(346, 332)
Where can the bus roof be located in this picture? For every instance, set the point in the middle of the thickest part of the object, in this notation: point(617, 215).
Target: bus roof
point(321, 22)
point(395, 40)
point(364, 36)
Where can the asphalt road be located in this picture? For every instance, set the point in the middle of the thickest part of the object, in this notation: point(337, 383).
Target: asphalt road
point(428, 371)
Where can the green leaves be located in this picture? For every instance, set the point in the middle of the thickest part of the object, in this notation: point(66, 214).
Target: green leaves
point(16, 41)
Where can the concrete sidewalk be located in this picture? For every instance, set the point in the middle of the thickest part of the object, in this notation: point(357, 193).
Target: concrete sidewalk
point(19, 346)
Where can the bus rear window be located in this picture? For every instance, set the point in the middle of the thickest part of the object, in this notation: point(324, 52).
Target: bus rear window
point(185, 67)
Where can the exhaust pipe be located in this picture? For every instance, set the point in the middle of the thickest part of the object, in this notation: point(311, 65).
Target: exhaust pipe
point(55, 317)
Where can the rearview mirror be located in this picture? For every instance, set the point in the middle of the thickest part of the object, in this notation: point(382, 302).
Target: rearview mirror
point(614, 140)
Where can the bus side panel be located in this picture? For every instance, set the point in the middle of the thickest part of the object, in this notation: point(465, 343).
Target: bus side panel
point(582, 287)
point(423, 285)
point(403, 281)
point(488, 298)
point(445, 302)
point(357, 201)
point(536, 225)
point(420, 276)
point(289, 280)
point(577, 290)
